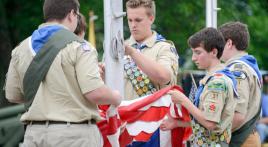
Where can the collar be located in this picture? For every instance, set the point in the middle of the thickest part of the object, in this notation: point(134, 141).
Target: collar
point(51, 24)
point(211, 72)
point(235, 57)
point(149, 42)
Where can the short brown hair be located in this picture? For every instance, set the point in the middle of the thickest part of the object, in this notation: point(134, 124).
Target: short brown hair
point(148, 4)
point(58, 9)
point(81, 25)
point(209, 38)
point(237, 32)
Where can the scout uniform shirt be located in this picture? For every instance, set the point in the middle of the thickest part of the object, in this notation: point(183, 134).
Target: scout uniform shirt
point(217, 104)
point(74, 72)
point(248, 88)
point(159, 50)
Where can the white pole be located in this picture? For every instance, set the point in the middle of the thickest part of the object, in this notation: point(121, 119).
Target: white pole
point(113, 50)
point(211, 13)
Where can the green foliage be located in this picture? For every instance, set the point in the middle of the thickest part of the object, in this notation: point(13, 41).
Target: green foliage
point(176, 20)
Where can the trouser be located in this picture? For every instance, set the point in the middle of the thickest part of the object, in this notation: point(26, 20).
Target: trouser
point(253, 140)
point(62, 135)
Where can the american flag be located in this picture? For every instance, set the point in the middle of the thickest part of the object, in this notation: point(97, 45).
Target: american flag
point(137, 120)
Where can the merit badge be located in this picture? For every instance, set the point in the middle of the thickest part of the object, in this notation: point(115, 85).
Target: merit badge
point(129, 72)
point(126, 66)
point(139, 78)
point(145, 89)
point(141, 84)
point(134, 81)
point(146, 81)
point(131, 77)
point(137, 74)
point(139, 92)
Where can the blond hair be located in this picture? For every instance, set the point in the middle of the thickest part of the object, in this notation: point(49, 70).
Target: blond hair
point(148, 4)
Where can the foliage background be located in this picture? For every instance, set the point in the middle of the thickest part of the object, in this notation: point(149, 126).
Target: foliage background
point(175, 19)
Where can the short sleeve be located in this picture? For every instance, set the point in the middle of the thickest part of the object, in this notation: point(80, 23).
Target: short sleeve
point(13, 85)
point(87, 69)
point(168, 57)
point(213, 99)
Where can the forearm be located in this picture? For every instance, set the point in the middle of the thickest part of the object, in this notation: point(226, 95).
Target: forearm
point(237, 120)
point(156, 72)
point(103, 96)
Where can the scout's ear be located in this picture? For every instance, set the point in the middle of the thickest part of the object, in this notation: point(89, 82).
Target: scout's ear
point(214, 52)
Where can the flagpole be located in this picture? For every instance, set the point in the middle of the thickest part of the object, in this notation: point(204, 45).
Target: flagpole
point(113, 44)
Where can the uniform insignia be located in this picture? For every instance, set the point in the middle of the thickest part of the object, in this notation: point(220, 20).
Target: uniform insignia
point(85, 47)
point(238, 66)
point(216, 86)
point(212, 107)
point(239, 75)
point(218, 74)
point(173, 50)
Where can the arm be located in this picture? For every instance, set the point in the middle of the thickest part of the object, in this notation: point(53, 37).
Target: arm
point(103, 95)
point(156, 72)
point(264, 120)
point(171, 123)
point(238, 119)
point(12, 87)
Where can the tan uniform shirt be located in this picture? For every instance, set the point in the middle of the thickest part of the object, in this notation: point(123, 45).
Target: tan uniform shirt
point(248, 89)
point(73, 73)
point(217, 101)
point(161, 52)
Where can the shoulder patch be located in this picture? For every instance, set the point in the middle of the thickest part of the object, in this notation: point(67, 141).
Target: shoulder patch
point(85, 47)
point(173, 50)
point(239, 74)
point(238, 66)
point(217, 85)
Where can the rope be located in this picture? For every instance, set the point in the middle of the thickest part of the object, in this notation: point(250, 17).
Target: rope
point(117, 50)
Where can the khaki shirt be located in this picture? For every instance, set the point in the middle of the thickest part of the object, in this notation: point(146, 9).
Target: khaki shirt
point(163, 53)
point(249, 90)
point(217, 101)
point(73, 73)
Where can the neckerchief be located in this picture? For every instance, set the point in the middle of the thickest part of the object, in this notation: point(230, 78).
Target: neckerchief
point(251, 62)
point(225, 72)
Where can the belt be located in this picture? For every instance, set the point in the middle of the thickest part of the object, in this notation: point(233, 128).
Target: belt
point(49, 122)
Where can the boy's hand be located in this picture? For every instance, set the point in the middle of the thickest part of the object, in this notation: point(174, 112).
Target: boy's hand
point(177, 96)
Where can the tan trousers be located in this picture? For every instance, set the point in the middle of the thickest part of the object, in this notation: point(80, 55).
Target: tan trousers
point(253, 140)
point(62, 135)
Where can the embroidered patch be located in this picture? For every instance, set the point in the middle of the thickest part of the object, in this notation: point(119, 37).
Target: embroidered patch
point(216, 86)
point(85, 47)
point(212, 107)
point(218, 74)
point(173, 50)
point(239, 75)
point(238, 66)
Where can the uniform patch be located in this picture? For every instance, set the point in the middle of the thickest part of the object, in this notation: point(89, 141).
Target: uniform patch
point(218, 74)
point(216, 86)
point(238, 66)
point(173, 50)
point(85, 47)
point(212, 107)
point(239, 75)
